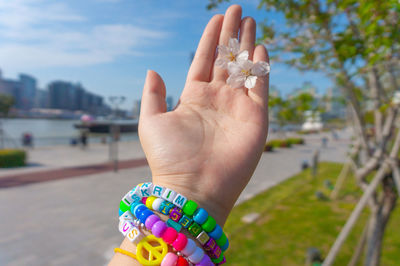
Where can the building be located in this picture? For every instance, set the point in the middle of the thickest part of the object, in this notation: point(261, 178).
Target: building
point(23, 90)
point(69, 96)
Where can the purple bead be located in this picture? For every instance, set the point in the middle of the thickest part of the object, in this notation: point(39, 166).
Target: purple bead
point(206, 261)
point(151, 220)
point(175, 214)
point(159, 228)
point(215, 253)
point(210, 245)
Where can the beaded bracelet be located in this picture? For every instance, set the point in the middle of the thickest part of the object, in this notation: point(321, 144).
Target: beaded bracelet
point(146, 218)
point(185, 211)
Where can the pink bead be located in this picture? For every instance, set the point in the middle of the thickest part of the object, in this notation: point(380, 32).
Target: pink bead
point(150, 221)
point(169, 260)
point(144, 200)
point(180, 242)
point(206, 261)
point(170, 235)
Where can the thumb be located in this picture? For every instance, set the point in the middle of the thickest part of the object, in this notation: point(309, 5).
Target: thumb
point(153, 98)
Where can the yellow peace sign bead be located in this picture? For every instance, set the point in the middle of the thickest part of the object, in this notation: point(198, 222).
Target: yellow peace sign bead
point(151, 250)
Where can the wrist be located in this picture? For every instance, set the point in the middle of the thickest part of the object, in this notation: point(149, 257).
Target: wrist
point(206, 199)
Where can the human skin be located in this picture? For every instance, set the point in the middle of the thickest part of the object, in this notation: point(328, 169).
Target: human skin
point(209, 146)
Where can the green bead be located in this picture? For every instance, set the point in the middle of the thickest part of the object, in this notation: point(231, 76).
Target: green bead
point(123, 207)
point(173, 224)
point(190, 207)
point(219, 259)
point(222, 240)
point(195, 229)
point(209, 224)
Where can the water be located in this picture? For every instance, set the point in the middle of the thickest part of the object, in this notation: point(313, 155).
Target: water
point(46, 132)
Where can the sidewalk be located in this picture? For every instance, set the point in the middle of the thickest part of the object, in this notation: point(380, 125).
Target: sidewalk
point(74, 221)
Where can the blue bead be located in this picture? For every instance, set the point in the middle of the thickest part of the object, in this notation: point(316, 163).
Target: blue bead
point(225, 247)
point(120, 212)
point(138, 209)
point(200, 216)
point(216, 233)
point(166, 207)
point(144, 215)
point(133, 205)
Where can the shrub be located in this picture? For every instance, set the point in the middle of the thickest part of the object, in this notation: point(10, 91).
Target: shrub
point(296, 141)
point(268, 147)
point(279, 143)
point(12, 158)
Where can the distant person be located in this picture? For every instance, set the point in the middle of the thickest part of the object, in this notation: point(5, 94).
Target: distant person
point(324, 141)
point(27, 140)
point(207, 149)
point(84, 139)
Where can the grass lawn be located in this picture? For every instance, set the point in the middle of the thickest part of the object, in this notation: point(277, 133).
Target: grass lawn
point(292, 219)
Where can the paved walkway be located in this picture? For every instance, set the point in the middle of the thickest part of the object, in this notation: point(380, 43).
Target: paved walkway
point(73, 221)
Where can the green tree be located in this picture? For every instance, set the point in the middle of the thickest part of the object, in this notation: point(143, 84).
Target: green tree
point(6, 102)
point(357, 45)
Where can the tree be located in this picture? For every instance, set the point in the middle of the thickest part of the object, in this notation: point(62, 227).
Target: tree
point(357, 45)
point(292, 110)
point(6, 102)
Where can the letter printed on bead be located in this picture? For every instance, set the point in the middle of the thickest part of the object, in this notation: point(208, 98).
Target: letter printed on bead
point(202, 238)
point(126, 216)
point(176, 214)
point(185, 221)
point(134, 235)
point(180, 201)
point(169, 195)
point(157, 191)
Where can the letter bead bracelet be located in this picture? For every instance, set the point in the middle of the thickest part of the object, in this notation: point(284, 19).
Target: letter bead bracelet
point(183, 215)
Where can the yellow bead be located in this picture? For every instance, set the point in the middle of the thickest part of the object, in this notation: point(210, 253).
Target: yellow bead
point(149, 202)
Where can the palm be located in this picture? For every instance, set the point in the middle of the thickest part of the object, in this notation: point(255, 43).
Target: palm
point(211, 143)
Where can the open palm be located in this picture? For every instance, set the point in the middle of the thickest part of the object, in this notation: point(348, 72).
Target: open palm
point(209, 146)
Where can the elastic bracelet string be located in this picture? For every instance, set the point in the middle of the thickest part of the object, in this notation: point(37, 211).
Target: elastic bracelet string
point(125, 252)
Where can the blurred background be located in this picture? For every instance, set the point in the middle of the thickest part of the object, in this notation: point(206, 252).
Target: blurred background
point(71, 76)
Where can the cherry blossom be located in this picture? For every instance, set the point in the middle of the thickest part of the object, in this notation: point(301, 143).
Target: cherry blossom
point(245, 73)
point(230, 53)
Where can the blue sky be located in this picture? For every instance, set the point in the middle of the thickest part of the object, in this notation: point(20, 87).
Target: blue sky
point(107, 45)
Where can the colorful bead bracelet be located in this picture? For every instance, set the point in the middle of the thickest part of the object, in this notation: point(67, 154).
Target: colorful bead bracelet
point(180, 210)
point(147, 219)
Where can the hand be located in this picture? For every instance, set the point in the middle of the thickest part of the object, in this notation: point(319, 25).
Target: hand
point(208, 147)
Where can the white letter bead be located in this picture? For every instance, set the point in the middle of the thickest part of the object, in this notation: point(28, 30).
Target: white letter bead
point(157, 204)
point(179, 201)
point(145, 190)
point(157, 191)
point(125, 227)
point(128, 198)
point(134, 235)
point(169, 195)
point(126, 216)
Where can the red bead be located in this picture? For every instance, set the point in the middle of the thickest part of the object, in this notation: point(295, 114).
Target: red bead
point(182, 262)
point(180, 242)
point(170, 235)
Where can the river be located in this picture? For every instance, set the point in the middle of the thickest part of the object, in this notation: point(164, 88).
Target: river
point(45, 132)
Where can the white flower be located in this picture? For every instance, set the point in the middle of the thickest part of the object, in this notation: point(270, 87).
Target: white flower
point(230, 53)
point(245, 73)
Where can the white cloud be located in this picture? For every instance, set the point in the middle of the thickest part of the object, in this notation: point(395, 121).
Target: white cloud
point(37, 33)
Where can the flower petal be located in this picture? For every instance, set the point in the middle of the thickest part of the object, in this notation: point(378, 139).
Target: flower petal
point(260, 69)
point(223, 50)
point(243, 55)
point(236, 80)
point(234, 45)
point(250, 82)
point(221, 62)
point(234, 67)
point(246, 64)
